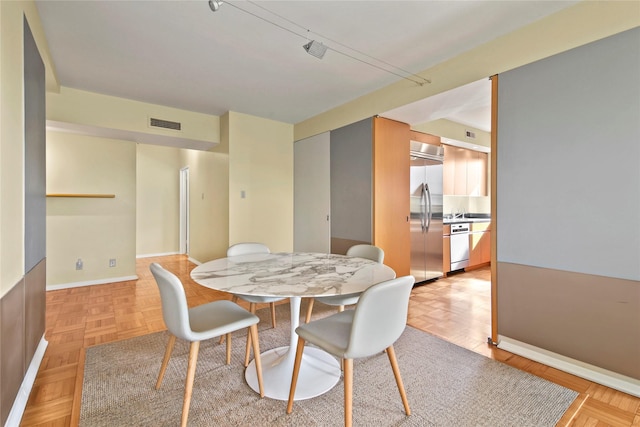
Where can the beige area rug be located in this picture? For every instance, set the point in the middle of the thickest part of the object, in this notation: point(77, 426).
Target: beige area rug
point(446, 386)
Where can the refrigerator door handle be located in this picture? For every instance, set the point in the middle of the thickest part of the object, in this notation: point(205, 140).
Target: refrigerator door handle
point(429, 210)
point(423, 200)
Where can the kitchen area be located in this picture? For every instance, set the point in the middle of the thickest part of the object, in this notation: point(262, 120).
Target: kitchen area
point(456, 209)
point(450, 209)
point(350, 187)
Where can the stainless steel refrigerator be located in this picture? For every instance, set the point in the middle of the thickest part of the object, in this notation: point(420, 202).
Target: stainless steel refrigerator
point(426, 210)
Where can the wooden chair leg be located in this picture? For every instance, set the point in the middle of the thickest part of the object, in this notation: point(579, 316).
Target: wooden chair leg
point(307, 318)
point(233, 299)
point(296, 371)
point(396, 372)
point(188, 386)
point(273, 314)
point(228, 348)
point(165, 360)
point(247, 350)
point(348, 392)
point(253, 331)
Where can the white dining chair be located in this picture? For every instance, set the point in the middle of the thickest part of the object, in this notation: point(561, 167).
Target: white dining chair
point(371, 252)
point(375, 325)
point(198, 324)
point(248, 248)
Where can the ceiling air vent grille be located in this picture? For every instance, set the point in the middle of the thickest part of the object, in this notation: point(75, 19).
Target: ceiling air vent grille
point(165, 124)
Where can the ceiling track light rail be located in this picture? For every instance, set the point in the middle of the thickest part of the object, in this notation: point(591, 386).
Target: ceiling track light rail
point(318, 49)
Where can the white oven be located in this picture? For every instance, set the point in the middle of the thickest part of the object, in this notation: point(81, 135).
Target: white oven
point(459, 246)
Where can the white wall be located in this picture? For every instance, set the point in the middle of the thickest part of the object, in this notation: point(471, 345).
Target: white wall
point(312, 194)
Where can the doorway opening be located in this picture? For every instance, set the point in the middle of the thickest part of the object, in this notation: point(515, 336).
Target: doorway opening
point(184, 210)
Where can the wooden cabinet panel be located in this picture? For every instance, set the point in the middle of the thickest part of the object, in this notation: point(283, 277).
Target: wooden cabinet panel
point(464, 172)
point(485, 247)
point(391, 193)
point(448, 170)
point(480, 244)
point(462, 158)
point(477, 174)
point(446, 254)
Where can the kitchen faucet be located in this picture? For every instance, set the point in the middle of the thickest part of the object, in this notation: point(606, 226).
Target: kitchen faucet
point(458, 214)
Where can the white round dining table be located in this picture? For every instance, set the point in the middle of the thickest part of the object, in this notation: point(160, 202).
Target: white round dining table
point(295, 276)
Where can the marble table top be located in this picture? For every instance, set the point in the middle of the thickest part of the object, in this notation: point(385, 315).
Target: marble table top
point(291, 274)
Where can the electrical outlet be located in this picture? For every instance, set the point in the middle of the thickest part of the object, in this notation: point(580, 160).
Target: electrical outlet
point(79, 264)
point(112, 262)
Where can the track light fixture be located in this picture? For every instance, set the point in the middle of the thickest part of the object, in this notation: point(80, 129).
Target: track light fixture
point(318, 49)
point(315, 48)
point(215, 4)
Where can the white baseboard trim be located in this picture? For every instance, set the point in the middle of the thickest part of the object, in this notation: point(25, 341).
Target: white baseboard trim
point(158, 254)
point(90, 283)
point(584, 370)
point(17, 410)
point(195, 261)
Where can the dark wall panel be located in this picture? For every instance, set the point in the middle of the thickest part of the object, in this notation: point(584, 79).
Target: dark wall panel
point(35, 156)
point(34, 308)
point(12, 357)
point(351, 154)
point(590, 318)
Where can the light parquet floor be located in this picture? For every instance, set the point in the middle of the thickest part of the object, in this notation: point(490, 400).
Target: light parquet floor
point(455, 308)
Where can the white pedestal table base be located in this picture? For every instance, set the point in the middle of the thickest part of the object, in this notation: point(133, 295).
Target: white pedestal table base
point(319, 371)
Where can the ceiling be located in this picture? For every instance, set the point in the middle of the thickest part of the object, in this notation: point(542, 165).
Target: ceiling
point(248, 57)
point(469, 105)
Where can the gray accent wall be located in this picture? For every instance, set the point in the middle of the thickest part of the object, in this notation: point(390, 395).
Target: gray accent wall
point(35, 195)
point(568, 203)
point(35, 205)
point(351, 160)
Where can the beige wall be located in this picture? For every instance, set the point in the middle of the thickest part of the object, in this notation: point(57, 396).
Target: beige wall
point(11, 146)
point(93, 229)
point(452, 130)
point(261, 166)
point(209, 206)
point(255, 155)
point(109, 112)
point(157, 199)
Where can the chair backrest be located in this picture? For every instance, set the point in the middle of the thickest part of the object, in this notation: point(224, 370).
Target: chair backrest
point(247, 248)
point(380, 317)
point(175, 310)
point(371, 252)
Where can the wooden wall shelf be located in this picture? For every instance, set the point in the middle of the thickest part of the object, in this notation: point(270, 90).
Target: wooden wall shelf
point(94, 196)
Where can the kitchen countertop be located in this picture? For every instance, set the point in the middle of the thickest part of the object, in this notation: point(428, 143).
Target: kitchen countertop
point(467, 219)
